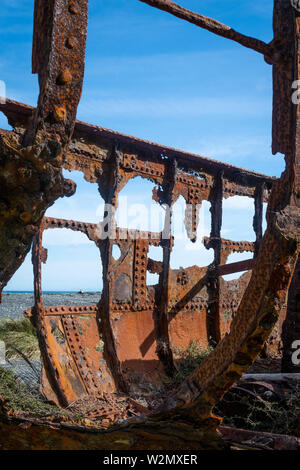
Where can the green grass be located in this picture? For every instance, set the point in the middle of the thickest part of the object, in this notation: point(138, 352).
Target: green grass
point(19, 335)
point(187, 360)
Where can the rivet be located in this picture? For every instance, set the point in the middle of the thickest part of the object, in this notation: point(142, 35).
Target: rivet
point(64, 77)
point(25, 217)
point(73, 9)
point(59, 114)
point(70, 43)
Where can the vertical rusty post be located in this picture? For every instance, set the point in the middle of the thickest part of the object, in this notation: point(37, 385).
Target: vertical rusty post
point(291, 324)
point(258, 229)
point(216, 200)
point(39, 256)
point(141, 247)
point(213, 317)
point(283, 138)
point(36, 258)
point(58, 57)
point(258, 216)
point(162, 324)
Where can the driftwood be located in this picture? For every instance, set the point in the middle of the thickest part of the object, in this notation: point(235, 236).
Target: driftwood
point(259, 440)
point(272, 377)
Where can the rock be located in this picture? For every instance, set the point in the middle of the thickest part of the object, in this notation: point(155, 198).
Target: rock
point(2, 353)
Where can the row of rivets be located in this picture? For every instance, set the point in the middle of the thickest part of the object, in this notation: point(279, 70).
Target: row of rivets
point(79, 355)
point(132, 163)
point(68, 223)
point(76, 309)
point(65, 76)
point(140, 288)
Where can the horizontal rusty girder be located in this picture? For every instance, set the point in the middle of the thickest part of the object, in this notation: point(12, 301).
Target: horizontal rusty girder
point(232, 268)
point(19, 114)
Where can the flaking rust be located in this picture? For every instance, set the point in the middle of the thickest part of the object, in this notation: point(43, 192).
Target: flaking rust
point(136, 328)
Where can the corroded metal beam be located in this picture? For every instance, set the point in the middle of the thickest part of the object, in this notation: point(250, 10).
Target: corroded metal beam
point(258, 215)
point(59, 40)
point(164, 349)
point(20, 114)
point(232, 268)
point(211, 25)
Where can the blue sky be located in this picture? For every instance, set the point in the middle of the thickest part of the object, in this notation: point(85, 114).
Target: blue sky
point(154, 76)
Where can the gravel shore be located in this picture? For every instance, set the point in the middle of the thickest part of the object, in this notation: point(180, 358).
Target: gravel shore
point(30, 376)
point(13, 304)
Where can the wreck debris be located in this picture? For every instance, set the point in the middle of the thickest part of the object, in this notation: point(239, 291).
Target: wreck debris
point(58, 57)
point(195, 296)
point(253, 440)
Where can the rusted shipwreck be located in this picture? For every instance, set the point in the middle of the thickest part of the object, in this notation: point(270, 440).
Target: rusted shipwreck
point(136, 328)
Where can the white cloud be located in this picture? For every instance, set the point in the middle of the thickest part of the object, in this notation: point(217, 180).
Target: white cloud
point(72, 275)
point(239, 203)
point(76, 209)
